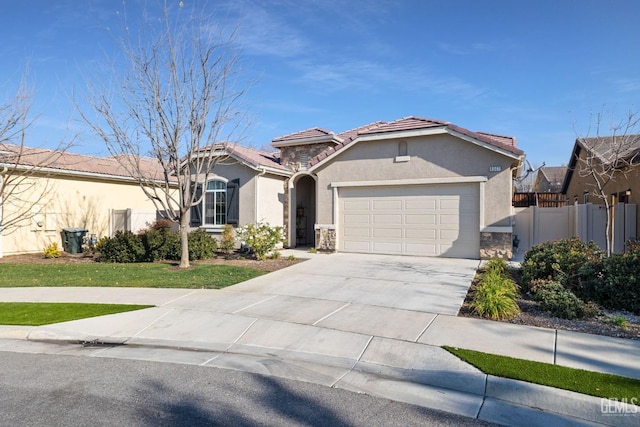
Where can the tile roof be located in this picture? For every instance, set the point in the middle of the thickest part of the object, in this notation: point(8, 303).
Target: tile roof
point(257, 158)
point(506, 143)
point(606, 148)
point(70, 162)
point(307, 133)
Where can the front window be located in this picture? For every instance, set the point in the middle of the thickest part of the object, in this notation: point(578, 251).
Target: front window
point(215, 203)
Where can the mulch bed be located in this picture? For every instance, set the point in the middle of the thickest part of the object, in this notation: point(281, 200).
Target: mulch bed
point(532, 315)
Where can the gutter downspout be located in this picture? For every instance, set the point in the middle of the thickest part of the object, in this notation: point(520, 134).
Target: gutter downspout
point(4, 171)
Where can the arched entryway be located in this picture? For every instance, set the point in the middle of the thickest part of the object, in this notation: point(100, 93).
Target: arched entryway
point(302, 211)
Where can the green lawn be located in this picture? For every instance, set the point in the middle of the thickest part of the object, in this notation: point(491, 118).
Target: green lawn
point(147, 275)
point(41, 313)
point(578, 380)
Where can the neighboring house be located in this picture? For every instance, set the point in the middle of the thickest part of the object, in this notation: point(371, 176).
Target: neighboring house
point(549, 179)
point(625, 185)
point(93, 193)
point(413, 186)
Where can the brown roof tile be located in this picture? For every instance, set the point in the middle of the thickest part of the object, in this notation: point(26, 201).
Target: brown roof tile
point(71, 162)
point(307, 133)
point(416, 123)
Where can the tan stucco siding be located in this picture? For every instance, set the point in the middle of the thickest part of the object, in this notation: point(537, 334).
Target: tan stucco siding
point(270, 200)
point(231, 170)
point(261, 194)
point(581, 183)
point(435, 156)
point(71, 202)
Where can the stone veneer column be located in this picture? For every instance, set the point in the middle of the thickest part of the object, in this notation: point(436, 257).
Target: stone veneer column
point(495, 245)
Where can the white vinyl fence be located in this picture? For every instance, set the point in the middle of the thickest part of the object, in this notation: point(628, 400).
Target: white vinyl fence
point(535, 225)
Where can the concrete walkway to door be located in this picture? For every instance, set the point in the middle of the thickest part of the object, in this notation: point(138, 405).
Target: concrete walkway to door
point(364, 323)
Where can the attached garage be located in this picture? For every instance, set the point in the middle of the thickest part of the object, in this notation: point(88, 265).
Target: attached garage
point(426, 220)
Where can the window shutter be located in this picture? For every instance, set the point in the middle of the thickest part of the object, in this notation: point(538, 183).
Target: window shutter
point(196, 211)
point(233, 202)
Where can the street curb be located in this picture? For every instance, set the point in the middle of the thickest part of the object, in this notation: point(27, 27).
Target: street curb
point(519, 396)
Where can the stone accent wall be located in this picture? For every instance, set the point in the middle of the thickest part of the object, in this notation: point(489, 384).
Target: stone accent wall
point(297, 157)
point(285, 206)
point(495, 245)
point(325, 238)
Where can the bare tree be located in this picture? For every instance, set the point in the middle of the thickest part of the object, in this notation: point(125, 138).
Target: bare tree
point(175, 99)
point(605, 159)
point(24, 185)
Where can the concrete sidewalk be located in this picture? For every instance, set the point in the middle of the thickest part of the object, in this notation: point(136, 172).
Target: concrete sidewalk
point(361, 323)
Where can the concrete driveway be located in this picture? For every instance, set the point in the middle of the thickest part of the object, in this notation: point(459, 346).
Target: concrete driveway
point(432, 285)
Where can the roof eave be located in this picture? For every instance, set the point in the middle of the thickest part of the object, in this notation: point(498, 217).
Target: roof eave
point(306, 141)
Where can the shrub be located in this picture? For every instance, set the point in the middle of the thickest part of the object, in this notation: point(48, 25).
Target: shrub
point(52, 251)
point(561, 302)
point(614, 283)
point(201, 245)
point(227, 239)
point(495, 296)
point(559, 261)
point(160, 243)
point(122, 247)
point(261, 238)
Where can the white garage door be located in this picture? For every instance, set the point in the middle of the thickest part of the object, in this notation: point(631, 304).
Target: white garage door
point(427, 220)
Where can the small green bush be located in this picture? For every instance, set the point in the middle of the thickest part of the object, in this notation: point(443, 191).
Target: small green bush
point(495, 295)
point(614, 282)
point(160, 243)
point(201, 245)
point(559, 261)
point(261, 238)
point(52, 251)
point(561, 302)
point(227, 239)
point(122, 247)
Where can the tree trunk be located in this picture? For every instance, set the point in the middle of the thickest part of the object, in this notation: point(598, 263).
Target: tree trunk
point(184, 241)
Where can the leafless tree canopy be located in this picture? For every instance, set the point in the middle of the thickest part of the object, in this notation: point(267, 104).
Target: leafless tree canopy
point(172, 98)
point(608, 156)
point(24, 187)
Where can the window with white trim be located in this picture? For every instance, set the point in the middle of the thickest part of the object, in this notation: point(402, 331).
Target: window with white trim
point(215, 203)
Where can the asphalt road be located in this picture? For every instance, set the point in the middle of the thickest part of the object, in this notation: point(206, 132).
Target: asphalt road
point(47, 390)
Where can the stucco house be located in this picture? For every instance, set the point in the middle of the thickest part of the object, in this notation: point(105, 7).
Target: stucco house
point(624, 187)
point(413, 186)
point(246, 186)
point(62, 189)
point(549, 179)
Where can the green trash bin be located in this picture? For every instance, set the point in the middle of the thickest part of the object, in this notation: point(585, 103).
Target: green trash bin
point(72, 239)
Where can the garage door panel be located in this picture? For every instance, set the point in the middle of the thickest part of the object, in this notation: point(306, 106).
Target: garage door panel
point(421, 233)
point(386, 205)
point(357, 232)
point(357, 219)
point(387, 247)
point(387, 233)
point(431, 220)
point(387, 219)
point(421, 249)
point(357, 205)
point(421, 205)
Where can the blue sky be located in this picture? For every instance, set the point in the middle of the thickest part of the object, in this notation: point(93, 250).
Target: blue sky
point(529, 69)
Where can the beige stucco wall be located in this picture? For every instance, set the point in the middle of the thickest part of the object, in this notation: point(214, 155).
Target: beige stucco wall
point(434, 156)
point(269, 188)
point(580, 184)
point(270, 199)
point(71, 202)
